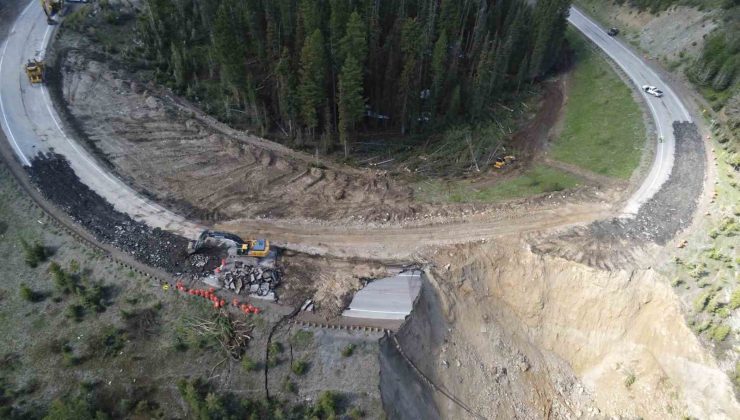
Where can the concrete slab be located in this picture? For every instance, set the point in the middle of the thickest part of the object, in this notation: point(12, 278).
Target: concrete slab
point(388, 298)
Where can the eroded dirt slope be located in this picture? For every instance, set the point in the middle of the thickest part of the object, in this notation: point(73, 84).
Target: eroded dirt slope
point(529, 336)
point(170, 153)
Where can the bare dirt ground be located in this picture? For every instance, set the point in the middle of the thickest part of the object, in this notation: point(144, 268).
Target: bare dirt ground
point(177, 158)
point(513, 334)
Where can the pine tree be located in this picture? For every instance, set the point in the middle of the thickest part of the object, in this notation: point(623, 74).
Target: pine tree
point(286, 91)
point(439, 67)
point(313, 70)
point(337, 24)
point(483, 82)
point(351, 101)
point(550, 19)
point(229, 47)
point(312, 14)
point(355, 40)
point(179, 71)
point(410, 37)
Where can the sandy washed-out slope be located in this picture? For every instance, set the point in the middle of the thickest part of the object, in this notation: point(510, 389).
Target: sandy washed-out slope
point(531, 334)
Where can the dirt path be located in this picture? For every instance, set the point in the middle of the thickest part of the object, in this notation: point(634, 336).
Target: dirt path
point(402, 243)
point(589, 176)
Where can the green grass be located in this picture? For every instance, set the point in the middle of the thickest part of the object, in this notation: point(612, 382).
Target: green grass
point(537, 180)
point(603, 130)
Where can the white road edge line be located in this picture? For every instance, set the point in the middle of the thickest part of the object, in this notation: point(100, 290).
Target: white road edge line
point(47, 102)
point(2, 110)
point(42, 50)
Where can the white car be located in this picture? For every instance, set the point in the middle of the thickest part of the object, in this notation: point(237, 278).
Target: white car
point(652, 90)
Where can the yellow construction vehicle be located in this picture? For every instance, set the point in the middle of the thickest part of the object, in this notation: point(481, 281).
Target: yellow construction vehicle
point(259, 248)
point(51, 8)
point(35, 71)
point(501, 162)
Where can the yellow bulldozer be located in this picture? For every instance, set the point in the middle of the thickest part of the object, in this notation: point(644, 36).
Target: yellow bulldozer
point(503, 161)
point(35, 71)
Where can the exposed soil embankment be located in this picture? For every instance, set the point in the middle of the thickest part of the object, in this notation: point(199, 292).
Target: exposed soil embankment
point(56, 180)
point(614, 242)
point(203, 172)
point(534, 336)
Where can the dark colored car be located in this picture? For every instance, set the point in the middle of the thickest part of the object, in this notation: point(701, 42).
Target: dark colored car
point(612, 32)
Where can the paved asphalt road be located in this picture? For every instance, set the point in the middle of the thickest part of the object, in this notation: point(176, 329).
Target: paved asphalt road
point(32, 126)
point(665, 110)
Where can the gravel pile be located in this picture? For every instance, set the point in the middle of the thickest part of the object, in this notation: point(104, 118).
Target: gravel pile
point(56, 180)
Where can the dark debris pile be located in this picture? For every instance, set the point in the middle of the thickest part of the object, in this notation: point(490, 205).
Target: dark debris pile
point(56, 180)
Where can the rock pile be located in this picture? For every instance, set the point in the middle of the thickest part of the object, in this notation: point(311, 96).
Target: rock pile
point(250, 280)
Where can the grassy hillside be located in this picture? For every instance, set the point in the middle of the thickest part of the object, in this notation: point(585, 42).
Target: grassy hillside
point(603, 129)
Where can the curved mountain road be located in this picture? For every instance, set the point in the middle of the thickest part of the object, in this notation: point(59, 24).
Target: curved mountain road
point(32, 126)
point(664, 110)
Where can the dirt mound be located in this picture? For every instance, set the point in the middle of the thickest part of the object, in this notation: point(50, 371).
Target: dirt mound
point(329, 282)
point(614, 243)
point(205, 173)
point(518, 335)
point(56, 180)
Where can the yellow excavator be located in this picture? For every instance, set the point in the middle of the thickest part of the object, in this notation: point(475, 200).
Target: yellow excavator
point(258, 248)
point(501, 162)
point(35, 71)
point(51, 8)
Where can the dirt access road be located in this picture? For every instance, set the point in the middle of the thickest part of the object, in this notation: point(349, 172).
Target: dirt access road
point(32, 126)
